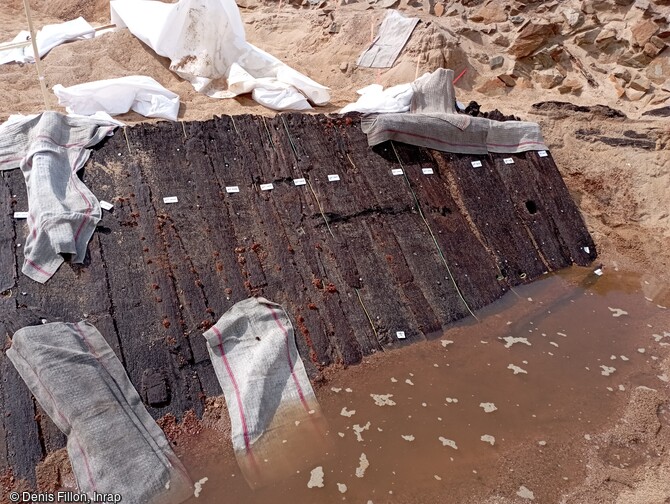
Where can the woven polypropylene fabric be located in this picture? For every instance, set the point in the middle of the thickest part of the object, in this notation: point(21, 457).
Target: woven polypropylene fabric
point(394, 33)
point(433, 123)
point(270, 399)
point(50, 149)
point(113, 443)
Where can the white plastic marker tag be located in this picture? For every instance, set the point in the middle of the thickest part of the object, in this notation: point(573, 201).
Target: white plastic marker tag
point(170, 199)
point(542, 153)
point(266, 187)
point(476, 164)
point(508, 160)
point(427, 171)
point(299, 181)
point(397, 171)
point(598, 271)
point(587, 250)
point(400, 334)
point(232, 189)
point(20, 215)
point(106, 205)
point(333, 178)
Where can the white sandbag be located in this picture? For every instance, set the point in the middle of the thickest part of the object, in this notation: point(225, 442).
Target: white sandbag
point(53, 35)
point(205, 42)
point(17, 54)
point(46, 39)
point(375, 99)
point(117, 96)
point(394, 33)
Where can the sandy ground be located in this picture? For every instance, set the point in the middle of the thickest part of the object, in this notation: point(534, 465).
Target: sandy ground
point(622, 189)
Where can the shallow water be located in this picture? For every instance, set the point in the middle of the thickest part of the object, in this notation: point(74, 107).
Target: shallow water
point(545, 368)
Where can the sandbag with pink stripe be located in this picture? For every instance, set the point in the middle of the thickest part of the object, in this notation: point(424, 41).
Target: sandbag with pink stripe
point(277, 427)
point(113, 444)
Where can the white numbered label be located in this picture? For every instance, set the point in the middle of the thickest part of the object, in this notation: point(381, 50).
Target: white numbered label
point(267, 187)
point(333, 178)
point(476, 164)
point(232, 189)
point(20, 215)
point(396, 171)
point(106, 205)
point(508, 160)
point(299, 181)
point(170, 199)
point(427, 171)
point(542, 153)
point(400, 334)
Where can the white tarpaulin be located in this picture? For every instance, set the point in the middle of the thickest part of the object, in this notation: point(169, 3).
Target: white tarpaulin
point(47, 38)
point(375, 99)
point(117, 96)
point(205, 42)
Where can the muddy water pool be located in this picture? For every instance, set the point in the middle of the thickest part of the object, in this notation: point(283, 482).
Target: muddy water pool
point(448, 420)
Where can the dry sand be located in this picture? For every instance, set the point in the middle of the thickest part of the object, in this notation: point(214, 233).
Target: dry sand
point(622, 190)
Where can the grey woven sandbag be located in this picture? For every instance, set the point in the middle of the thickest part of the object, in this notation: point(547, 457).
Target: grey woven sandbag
point(50, 148)
point(433, 123)
point(113, 443)
point(276, 423)
point(427, 131)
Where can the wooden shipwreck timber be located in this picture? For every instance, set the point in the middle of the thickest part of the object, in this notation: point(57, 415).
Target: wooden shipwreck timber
point(354, 261)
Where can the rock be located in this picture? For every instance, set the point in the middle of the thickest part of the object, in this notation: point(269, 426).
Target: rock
point(640, 83)
point(622, 73)
point(490, 12)
point(532, 36)
point(517, 19)
point(570, 86)
point(573, 17)
point(507, 79)
point(389, 4)
point(587, 7)
point(654, 47)
point(492, 87)
point(588, 37)
point(618, 85)
point(658, 70)
point(598, 69)
point(247, 4)
point(548, 79)
point(334, 28)
point(605, 37)
point(542, 59)
point(634, 94)
point(643, 31)
point(344, 66)
point(501, 40)
point(651, 50)
point(546, 6)
point(439, 9)
point(523, 83)
point(639, 60)
point(643, 5)
point(516, 8)
point(496, 61)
